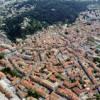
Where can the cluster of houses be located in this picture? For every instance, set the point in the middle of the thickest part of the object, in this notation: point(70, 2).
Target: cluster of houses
point(54, 64)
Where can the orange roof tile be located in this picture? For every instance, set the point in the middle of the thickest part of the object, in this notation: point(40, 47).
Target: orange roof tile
point(78, 91)
point(27, 84)
point(2, 75)
point(53, 96)
point(68, 93)
point(2, 49)
point(70, 85)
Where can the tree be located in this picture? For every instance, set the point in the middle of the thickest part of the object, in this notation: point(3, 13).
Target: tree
point(2, 55)
point(33, 93)
point(97, 96)
point(11, 72)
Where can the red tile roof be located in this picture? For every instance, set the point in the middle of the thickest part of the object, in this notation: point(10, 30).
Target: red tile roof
point(78, 91)
point(53, 96)
point(2, 49)
point(67, 93)
point(70, 85)
point(2, 75)
point(52, 78)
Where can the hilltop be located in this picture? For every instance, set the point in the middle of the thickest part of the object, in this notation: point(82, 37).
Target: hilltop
point(28, 16)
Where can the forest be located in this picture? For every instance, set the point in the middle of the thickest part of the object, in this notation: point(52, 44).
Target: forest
point(45, 13)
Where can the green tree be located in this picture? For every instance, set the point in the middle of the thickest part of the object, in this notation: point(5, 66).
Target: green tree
point(33, 93)
point(11, 72)
point(97, 96)
point(2, 55)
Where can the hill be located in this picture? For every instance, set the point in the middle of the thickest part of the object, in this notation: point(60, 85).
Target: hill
point(29, 16)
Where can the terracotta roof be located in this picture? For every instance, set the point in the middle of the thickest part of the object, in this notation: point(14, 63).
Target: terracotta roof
point(53, 96)
point(45, 83)
point(2, 49)
point(27, 84)
point(67, 93)
point(2, 75)
point(68, 63)
point(70, 85)
point(78, 91)
point(41, 92)
point(52, 78)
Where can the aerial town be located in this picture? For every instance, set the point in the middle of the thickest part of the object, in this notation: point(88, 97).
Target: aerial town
point(61, 62)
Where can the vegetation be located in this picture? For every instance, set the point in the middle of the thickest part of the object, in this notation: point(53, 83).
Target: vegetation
point(95, 71)
point(98, 65)
point(33, 26)
point(59, 76)
point(53, 12)
point(11, 72)
point(98, 47)
point(2, 55)
point(97, 59)
point(97, 96)
point(33, 93)
point(81, 82)
point(14, 30)
point(72, 80)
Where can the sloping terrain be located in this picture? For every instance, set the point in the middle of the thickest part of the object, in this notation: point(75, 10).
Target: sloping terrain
point(40, 14)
